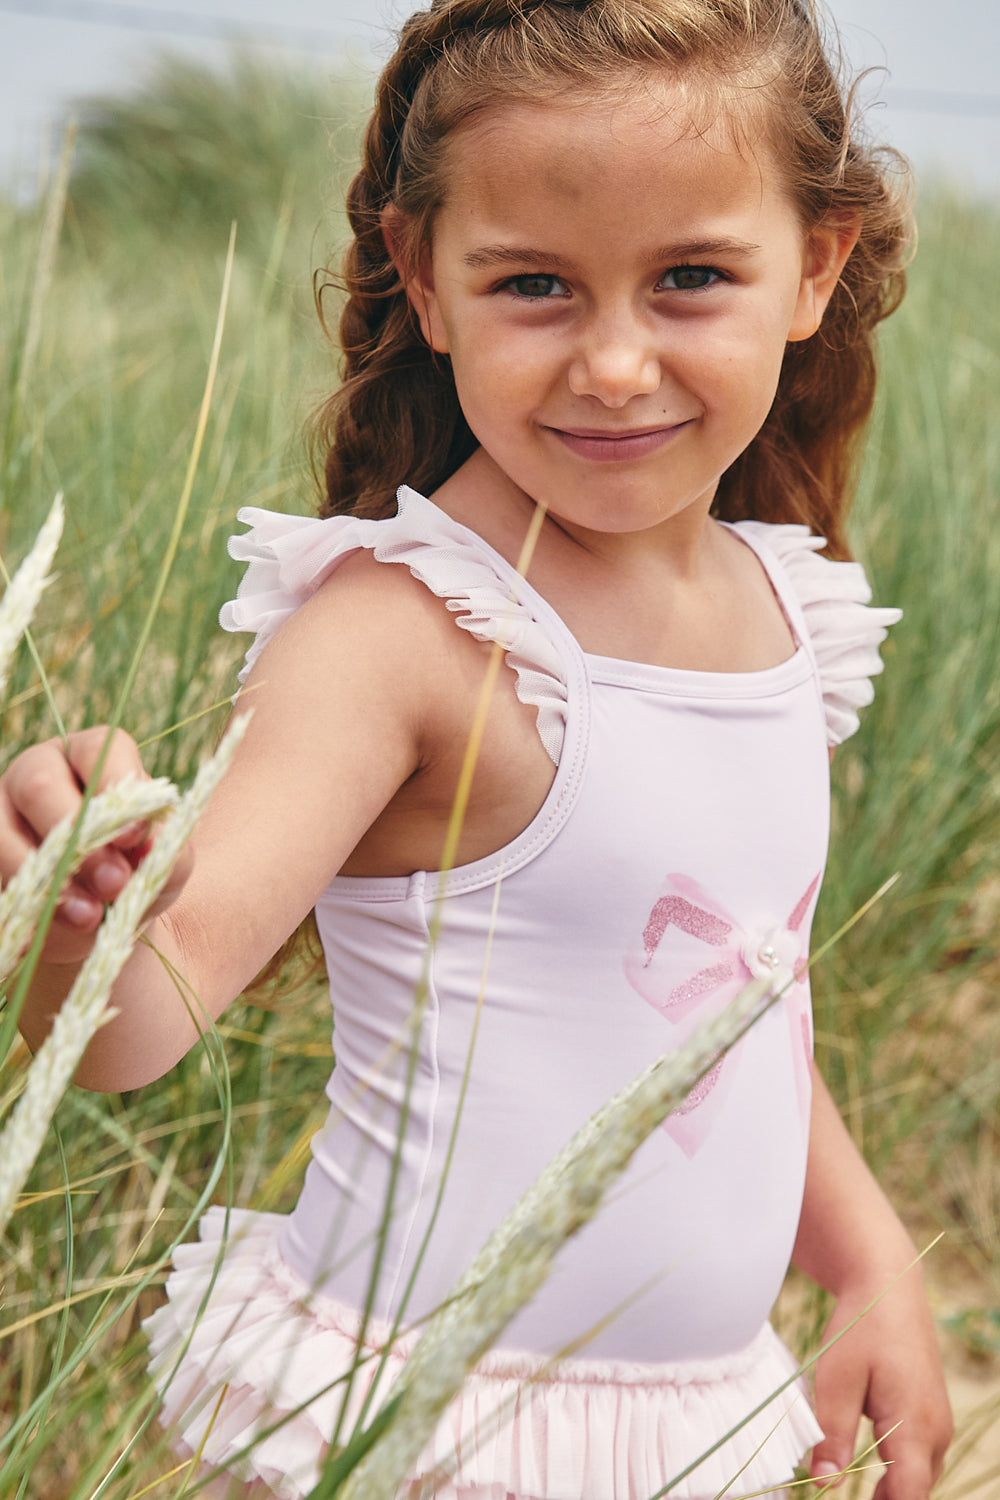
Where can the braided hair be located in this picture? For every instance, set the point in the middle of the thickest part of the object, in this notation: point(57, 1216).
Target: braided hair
point(396, 417)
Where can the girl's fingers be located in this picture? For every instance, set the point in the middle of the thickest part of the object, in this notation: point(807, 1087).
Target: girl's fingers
point(79, 909)
point(910, 1471)
point(840, 1397)
point(912, 1419)
point(40, 789)
point(122, 758)
point(43, 786)
point(104, 873)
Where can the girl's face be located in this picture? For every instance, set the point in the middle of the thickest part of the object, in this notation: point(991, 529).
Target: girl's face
point(615, 289)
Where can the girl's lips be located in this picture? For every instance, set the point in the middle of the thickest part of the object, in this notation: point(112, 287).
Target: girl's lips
point(613, 447)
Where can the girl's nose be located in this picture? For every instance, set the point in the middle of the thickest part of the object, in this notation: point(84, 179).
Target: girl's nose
point(614, 362)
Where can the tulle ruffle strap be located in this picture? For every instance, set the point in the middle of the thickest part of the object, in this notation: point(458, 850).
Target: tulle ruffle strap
point(845, 631)
point(289, 557)
point(578, 1430)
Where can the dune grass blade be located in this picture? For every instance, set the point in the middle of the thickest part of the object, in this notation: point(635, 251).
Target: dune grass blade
point(449, 1156)
point(51, 227)
point(16, 1000)
point(59, 1349)
point(20, 600)
point(449, 853)
point(117, 1298)
point(52, 222)
point(183, 504)
point(87, 1004)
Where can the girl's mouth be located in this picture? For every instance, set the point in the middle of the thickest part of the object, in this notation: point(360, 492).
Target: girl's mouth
point(610, 446)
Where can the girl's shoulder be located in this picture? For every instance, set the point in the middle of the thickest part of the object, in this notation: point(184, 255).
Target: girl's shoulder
point(290, 558)
point(842, 628)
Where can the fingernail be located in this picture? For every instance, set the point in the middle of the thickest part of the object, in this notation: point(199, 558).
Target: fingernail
point(108, 880)
point(827, 1473)
point(78, 911)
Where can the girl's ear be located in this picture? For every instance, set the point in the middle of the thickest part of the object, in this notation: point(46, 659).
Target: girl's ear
point(416, 272)
point(827, 249)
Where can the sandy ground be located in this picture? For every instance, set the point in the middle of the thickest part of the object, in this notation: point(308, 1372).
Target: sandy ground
point(973, 1468)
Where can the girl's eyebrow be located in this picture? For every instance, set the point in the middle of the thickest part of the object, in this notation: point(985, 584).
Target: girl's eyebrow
point(699, 249)
point(512, 255)
point(520, 255)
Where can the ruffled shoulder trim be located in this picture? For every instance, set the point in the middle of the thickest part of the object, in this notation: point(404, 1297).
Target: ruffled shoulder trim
point(289, 557)
point(844, 630)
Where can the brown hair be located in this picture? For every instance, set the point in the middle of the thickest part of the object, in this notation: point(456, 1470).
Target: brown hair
point(397, 419)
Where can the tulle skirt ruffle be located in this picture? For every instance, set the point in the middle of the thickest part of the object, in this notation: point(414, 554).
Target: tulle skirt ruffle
point(237, 1317)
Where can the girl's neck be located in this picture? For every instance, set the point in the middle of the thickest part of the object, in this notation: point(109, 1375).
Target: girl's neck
point(684, 593)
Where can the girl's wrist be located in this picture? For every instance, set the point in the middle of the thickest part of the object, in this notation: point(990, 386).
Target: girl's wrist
point(868, 1267)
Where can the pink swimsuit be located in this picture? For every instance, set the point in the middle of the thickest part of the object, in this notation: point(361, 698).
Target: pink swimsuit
point(678, 852)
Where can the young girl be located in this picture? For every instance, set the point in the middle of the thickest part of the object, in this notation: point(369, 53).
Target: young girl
point(616, 268)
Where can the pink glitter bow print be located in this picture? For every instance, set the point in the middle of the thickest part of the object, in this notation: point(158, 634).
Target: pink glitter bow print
point(685, 916)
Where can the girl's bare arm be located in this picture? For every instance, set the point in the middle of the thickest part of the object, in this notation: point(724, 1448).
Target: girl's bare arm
point(888, 1366)
point(339, 704)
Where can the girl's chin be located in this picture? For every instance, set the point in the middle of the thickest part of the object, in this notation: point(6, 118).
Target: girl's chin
point(625, 513)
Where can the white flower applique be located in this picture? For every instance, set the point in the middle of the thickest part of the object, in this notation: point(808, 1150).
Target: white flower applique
point(685, 917)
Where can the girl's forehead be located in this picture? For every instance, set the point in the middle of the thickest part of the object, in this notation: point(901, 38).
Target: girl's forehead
point(666, 131)
point(639, 111)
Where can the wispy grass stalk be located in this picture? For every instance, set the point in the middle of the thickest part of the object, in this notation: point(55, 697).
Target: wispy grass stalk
point(449, 854)
point(183, 504)
point(16, 998)
point(48, 244)
point(20, 600)
point(116, 1297)
point(45, 258)
point(426, 1241)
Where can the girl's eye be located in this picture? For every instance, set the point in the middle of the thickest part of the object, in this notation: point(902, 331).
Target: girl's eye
point(536, 287)
point(689, 278)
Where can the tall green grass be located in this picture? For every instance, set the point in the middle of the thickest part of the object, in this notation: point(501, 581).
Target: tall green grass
point(906, 1023)
point(107, 414)
point(905, 1006)
point(110, 405)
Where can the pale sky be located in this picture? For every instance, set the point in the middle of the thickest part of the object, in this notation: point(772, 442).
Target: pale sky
point(939, 99)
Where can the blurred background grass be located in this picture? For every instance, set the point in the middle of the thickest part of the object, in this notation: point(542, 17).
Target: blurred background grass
point(908, 1028)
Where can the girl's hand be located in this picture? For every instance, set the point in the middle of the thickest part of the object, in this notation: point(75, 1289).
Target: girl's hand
point(887, 1368)
point(39, 789)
